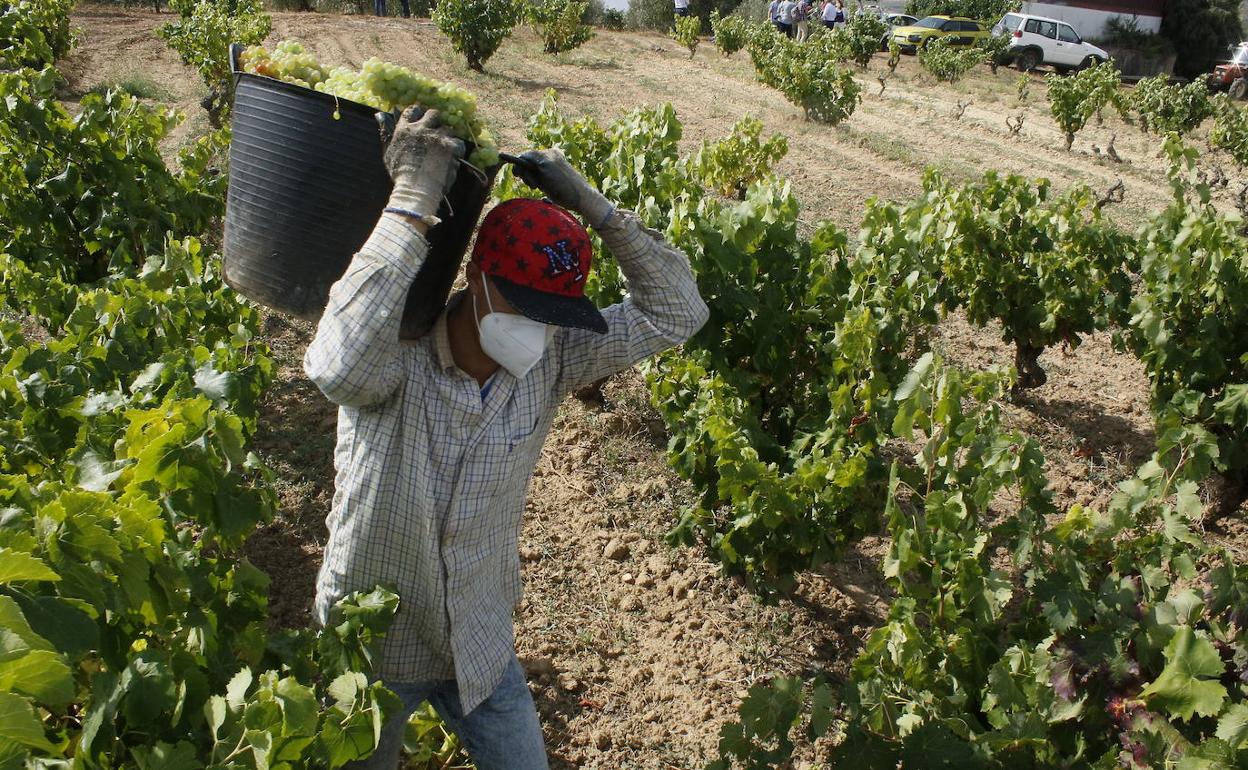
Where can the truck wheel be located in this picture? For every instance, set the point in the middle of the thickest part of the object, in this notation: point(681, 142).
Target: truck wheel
point(1239, 89)
point(1027, 60)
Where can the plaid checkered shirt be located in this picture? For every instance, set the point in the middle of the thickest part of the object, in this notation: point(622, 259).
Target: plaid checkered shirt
point(430, 477)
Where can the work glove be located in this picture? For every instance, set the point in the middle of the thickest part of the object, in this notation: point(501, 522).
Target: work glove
point(423, 159)
point(550, 172)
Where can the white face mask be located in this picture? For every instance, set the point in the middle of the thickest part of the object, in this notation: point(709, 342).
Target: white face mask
point(515, 342)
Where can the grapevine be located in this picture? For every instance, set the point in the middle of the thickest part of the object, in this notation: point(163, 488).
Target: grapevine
point(1074, 100)
point(1163, 107)
point(382, 86)
point(946, 62)
point(559, 23)
point(731, 32)
point(686, 32)
point(136, 633)
point(1230, 129)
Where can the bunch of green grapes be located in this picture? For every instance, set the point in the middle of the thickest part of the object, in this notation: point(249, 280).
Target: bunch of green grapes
point(288, 62)
point(382, 86)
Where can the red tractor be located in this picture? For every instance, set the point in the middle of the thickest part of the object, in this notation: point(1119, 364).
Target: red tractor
point(1232, 76)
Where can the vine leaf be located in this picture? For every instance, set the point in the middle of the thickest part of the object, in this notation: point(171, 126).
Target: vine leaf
point(1233, 726)
point(1184, 689)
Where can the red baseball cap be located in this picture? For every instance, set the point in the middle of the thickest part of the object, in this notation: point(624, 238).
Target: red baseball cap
point(538, 255)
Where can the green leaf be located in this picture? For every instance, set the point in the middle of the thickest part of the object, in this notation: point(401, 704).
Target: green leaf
point(67, 625)
point(19, 724)
point(95, 474)
point(13, 621)
point(17, 566)
point(935, 746)
point(299, 708)
point(919, 372)
point(1183, 689)
point(1233, 726)
point(41, 674)
point(164, 756)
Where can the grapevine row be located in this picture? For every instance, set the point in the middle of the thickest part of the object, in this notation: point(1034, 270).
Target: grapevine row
point(135, 633)
point(1111, 638)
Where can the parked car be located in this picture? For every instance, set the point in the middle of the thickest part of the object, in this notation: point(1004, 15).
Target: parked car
point(962, 31)
point(894, 20)
point(1036, 40)
point(1232, 76)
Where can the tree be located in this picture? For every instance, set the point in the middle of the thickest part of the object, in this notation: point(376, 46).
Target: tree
point(1200, 30)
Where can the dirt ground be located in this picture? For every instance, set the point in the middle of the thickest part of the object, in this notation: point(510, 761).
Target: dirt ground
point(638, 653)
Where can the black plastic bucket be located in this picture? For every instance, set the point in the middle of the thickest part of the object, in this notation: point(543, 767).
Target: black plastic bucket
point(306, 191)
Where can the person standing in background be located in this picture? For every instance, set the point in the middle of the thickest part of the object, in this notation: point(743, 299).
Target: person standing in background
point(773, 13)
point(801, 16)
point(840, 11)
point(682, 7)
point(785, 15)
point(379, 6)
point(829, 14)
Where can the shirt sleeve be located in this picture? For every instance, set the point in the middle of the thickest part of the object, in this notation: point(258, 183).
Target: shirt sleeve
point(662, 310)
point(355, 358)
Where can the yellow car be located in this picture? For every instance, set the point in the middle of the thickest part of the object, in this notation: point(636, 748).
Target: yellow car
point(961, 31)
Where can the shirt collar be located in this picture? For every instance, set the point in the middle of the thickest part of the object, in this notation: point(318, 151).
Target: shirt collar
point(441, 333)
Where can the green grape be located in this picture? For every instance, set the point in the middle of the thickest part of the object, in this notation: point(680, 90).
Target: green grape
point(380, 85)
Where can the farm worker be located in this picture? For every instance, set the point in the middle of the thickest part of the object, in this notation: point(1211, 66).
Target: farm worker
point(379, 6)
point(801, 15)
point(437, 439)
point(785, 12)
point(840, 11)
point(829, 14)
point(773, 13)
point(682, 7)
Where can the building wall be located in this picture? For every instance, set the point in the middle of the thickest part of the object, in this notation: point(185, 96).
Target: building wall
point(1090, 22)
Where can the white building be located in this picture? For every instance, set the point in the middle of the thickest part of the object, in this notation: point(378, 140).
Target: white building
point(1089, 17)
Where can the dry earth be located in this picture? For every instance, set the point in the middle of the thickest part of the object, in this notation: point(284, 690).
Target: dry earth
point(637, 653)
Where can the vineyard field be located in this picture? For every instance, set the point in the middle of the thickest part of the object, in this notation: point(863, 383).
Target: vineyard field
point(638, 653)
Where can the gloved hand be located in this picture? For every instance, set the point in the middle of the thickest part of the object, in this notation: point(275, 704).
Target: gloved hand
point(550, 172)
point(422, 159)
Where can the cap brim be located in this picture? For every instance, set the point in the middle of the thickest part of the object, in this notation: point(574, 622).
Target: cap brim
point(553, 309)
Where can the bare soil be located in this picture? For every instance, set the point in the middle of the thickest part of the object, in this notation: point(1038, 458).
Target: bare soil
point(637, 652)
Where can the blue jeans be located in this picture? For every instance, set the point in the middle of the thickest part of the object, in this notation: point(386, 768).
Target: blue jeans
point(502, 733)
point(379, 6)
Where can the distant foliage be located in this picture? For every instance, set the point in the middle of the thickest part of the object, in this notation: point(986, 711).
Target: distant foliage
point(34, 33)
point(946, 62)
point(476, 28)
point(612, 18)
point(984, 10)
point(202, 36)
point(559, 23)
point(731, 32)
point(1162, 107)
point(1200, 31)
point(862, 36)
point(686, 33)
point(1125, 32)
